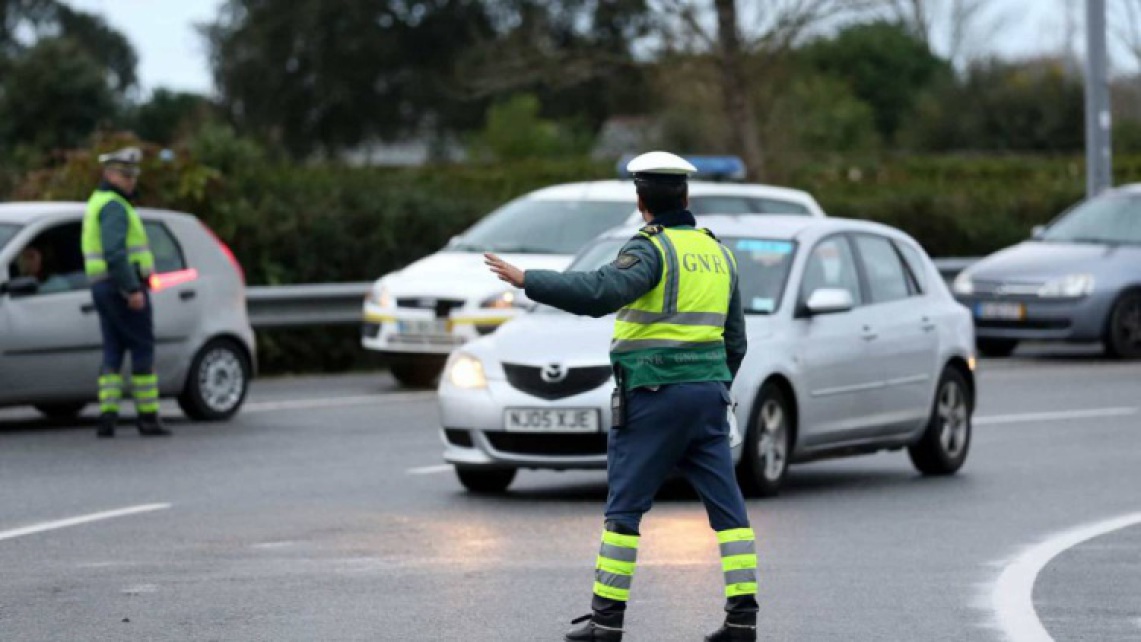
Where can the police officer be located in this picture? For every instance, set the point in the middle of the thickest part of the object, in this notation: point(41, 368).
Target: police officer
point(679, 339)
point(118, 262)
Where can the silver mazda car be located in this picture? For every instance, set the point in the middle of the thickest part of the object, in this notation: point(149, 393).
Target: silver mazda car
point(1078, 279)
point(855, 346)
point(50, 344)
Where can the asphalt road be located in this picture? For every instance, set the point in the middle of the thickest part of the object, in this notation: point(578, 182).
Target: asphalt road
point(323, 513)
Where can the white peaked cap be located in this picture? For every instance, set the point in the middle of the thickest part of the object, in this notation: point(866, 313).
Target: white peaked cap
point(660, 163)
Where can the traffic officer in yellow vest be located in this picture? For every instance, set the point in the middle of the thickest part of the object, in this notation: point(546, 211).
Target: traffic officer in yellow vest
point(678, 340)
point(118, 262)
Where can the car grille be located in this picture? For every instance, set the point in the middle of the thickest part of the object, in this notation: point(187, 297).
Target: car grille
point(370, 330)
point(548, 443)
point(1013, 290)
point(442, 307)
point(529, 379)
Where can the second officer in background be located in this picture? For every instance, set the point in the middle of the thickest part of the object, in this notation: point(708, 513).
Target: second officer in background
point(679, 339)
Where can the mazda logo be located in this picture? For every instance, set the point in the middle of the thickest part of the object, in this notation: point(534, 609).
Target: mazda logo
point(553, 373)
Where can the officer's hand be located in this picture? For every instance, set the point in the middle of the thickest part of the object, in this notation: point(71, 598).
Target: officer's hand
point(136, 301)
point(504, 270)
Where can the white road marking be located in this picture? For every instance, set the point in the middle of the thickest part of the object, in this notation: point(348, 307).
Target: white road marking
point(1012, 596)
point(1061, 415)
point(430, 470)
point(82, 519)
point(333, 402)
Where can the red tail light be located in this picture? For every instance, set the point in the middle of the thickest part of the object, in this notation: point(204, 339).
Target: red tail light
point(226, 250)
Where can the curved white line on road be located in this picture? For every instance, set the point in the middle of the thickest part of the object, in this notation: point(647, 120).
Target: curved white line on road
point(1013, 595)
point(82, 519)
point(334, 402)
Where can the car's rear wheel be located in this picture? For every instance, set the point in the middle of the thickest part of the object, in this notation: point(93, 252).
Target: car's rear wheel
point(485, 480)
point(61, 410)
point(1123, 337)
point(768, 444)
point(416, 374)
point(996, 347)
point(943, 448)
point(217, 383)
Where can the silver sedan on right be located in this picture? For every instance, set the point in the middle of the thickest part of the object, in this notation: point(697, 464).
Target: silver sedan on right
point(855, 346)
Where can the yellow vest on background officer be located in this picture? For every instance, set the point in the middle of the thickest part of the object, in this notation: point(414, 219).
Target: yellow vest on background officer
point(679, 338)
point(118, 262)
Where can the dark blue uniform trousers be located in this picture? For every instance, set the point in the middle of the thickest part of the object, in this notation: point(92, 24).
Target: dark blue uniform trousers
point(124, 330)
point(679, 426)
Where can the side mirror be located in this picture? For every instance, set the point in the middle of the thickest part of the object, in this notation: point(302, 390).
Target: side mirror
point(1037, 232)
point(830, 301)
point(20, 286)
point(452, 241)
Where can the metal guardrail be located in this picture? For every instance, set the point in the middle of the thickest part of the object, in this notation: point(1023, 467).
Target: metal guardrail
point(317, 304)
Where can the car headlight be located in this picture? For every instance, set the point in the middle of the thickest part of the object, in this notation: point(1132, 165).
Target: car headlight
point(380, 296)
point(963, 284)
point(503, 301)
point(1071, 285)
point(466, 371)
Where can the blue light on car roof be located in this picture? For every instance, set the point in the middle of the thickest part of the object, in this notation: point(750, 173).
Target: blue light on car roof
point(713, 168)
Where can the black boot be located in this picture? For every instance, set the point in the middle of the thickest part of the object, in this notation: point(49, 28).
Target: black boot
point(595, 631)
point(151, 426)
point(106, 427)
point(730, 632)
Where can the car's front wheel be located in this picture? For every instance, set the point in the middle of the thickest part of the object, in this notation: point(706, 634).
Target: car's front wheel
point(218, 381)
point(768, 444)
point(942, 449)
point(996, 347)
point(1123, 337)
point(416, 374)
point(485, 480)
point(62, 410)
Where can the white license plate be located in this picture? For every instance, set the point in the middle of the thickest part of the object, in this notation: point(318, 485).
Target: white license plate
point(1005, 311)
point(551, 420)
point(422, 326)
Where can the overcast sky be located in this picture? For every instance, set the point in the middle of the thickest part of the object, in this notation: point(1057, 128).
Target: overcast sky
point(172, 55)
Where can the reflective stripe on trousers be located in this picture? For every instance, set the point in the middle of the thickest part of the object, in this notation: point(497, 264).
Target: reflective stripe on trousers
point(614, 570)
point(145, 389)
point(110, 392)
point(738, 561)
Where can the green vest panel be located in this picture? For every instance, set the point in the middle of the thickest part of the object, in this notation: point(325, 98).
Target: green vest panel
point(675, 332)
point(138, 248)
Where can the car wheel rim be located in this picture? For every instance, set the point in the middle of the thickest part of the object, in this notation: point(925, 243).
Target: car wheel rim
point(773, 445)
point(953, 418)
point(1129, 324)
point(221, 380)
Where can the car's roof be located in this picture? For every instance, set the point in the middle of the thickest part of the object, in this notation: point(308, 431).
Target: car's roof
point(23, 213)
point(776, 226)
point(615, 190)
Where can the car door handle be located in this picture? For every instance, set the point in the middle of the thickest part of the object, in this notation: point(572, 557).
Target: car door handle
point(87, 308)
point(187, 295)
point(928, 324)
point(868, 334)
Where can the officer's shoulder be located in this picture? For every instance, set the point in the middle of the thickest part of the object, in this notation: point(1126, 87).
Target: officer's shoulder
point(708, 232)
point(649, 231)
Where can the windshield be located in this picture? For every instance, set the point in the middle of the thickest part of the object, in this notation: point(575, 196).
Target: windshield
point(7, 231)
point(543, 227)
point(1111, 219)
point(763, 265)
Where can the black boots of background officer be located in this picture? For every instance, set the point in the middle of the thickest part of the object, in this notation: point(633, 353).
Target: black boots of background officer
point(596, 629)
point(149, 424)
point(738, 627)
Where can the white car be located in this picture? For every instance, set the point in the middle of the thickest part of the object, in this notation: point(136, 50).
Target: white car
point(855, 346)
point(418, 315)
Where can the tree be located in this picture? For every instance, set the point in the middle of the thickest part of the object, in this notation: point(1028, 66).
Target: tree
point(325, 76)
point(63, 96)
point(954, 26)
point(514, 131)
point(885, 64)
point(161, 118)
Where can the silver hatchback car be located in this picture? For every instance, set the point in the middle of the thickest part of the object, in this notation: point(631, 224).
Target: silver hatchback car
point(855, 346)
point(50, 344)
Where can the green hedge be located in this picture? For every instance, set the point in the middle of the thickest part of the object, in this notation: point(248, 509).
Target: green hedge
point(311, 224)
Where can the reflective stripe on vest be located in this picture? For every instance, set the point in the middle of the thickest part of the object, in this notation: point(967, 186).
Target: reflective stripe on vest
point(138, 248)
point(689, 305)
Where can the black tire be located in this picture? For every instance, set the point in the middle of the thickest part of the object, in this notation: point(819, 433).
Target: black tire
point(996, 347)
point(217, 383)
point(485, 480)
point(1123, 334)
point(61, 410)
point(416, 374)
point(943, 448)
point(768, 443)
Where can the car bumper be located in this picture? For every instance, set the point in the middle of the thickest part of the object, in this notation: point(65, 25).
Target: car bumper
point(1080, 319)
point(474, 431)
point(415, 331)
